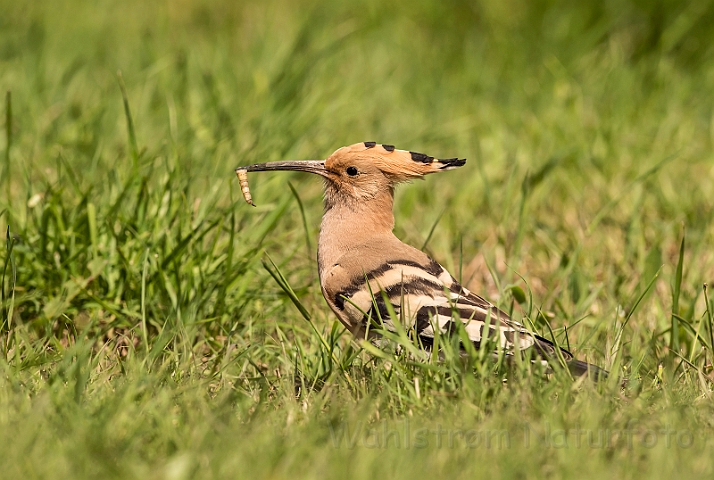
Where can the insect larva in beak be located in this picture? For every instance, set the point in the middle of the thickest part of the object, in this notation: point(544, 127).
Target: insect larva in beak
point(244, 188)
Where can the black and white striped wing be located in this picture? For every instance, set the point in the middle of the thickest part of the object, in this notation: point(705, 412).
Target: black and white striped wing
point(426, 298)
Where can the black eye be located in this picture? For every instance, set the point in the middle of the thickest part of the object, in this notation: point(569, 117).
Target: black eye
point(352, 171)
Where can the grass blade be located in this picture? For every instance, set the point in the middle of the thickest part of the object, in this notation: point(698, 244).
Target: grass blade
point(134, 148)
point(431, 230)
point(676, 291)
point(7, 313)
point(8, 144)
point(285, 287)
point(144, 273)
point(308, 244)
point(710, 318)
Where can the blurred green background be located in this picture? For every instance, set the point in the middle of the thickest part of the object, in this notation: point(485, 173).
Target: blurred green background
point(143, 332)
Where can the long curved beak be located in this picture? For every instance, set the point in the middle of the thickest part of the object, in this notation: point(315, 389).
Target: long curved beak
point(310, 166)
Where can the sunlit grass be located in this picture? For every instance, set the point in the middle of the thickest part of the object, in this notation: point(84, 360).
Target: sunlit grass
point(154, 325)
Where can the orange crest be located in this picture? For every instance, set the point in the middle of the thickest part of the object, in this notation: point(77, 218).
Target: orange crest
point(398, 164)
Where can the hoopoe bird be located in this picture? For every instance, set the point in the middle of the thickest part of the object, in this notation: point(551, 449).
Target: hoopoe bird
point(362, 265)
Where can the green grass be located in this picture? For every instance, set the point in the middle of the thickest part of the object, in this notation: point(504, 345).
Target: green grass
point(152, 325)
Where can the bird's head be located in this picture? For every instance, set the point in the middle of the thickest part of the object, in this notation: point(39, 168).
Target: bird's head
point(364, 170)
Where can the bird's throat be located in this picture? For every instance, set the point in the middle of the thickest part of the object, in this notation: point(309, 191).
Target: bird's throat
point(349, 224)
